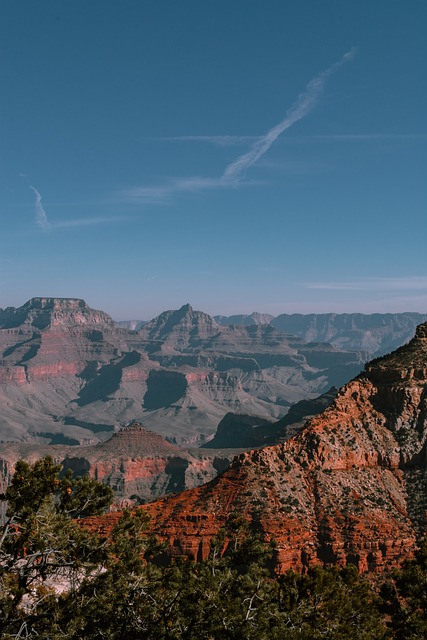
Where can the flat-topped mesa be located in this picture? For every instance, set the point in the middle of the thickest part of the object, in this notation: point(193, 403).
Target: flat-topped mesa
point(42, 312)
point(56, 303)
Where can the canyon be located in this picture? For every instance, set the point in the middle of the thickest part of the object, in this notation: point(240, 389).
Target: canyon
point(69, 375)
point(132, 408)
point(350, 487)
point(141, 466)
point(71, 380)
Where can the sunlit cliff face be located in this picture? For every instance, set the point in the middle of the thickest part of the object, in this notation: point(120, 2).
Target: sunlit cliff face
point(349, 488)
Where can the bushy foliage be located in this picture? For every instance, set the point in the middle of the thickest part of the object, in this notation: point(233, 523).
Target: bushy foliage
point(117, 589)
point(332, 603)
point(405, 598)
point(41, 543)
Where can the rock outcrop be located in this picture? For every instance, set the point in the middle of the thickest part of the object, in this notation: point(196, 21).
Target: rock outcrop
point(68, 374)
point(40, 313)
point(179, 329)
point(350, 487)
point(57, 357)
point(138, 464)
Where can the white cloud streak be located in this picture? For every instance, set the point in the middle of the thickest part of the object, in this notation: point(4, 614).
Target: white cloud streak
point(44, 223)
point(305, 103)
point(236, 170)
point(232, 141)
point(162, 193)
point(40, 214)
point(88, 222)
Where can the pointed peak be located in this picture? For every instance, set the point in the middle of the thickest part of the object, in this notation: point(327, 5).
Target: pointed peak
point(139, 440)
point(186, 308)
point(185, 322)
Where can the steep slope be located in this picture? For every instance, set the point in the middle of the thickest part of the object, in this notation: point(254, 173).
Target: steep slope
point(39, 313)
point(248, 431)
point(350, 487)
point(240, 430)
point(298, 415)
point(140, 465)
point(179, 329)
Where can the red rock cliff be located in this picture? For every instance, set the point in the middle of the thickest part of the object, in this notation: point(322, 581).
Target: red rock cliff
point(350, 488)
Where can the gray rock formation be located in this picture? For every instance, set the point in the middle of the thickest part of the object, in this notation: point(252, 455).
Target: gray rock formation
point(69, 375)
point(252, 318)
point(375, 334)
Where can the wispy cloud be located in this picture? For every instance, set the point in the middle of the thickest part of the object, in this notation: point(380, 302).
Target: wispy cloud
point(218, 141)
point(161, 193)
point(360, 137)
point(235, 172)
point(40, 214)
point(409, 283)
point(305, 102)
point(46, 225)
point(88, 222)
point(232, 141)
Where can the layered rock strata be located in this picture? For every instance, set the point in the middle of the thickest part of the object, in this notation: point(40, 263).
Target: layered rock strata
point(349, 488)
point(138, 464)
point(68, 374)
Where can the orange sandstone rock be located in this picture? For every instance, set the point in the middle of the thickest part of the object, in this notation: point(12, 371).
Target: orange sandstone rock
point(351, 487)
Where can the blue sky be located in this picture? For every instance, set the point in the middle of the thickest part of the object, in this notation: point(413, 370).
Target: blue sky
point(238, 155)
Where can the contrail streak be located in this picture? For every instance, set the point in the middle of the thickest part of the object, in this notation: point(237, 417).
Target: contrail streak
point(305, 102)
point(41, 215)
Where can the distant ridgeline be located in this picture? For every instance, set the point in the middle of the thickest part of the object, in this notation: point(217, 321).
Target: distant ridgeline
point(70, 375)
point(375, 334)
